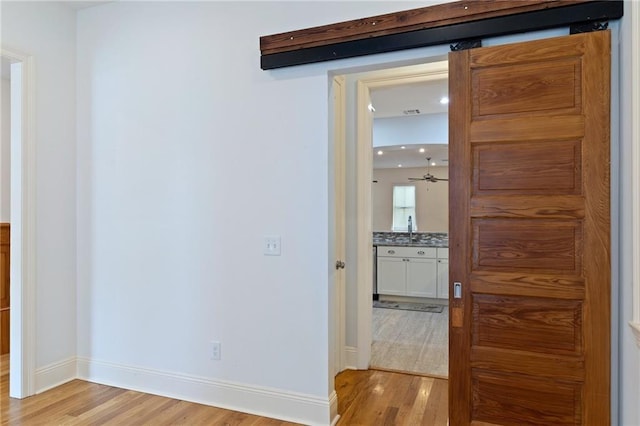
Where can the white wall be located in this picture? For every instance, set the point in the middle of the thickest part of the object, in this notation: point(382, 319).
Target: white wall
point(47, 32)
point(170, 238)
point(413, 129)
point(432, 199)
point(5, 151)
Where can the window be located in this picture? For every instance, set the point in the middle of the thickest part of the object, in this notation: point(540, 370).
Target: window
point(404, 206)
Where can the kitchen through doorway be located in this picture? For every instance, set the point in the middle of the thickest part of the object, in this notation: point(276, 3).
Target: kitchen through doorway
point(409, 209)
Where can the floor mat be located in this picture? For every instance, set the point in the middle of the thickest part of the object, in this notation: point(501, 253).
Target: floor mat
point(408, 306)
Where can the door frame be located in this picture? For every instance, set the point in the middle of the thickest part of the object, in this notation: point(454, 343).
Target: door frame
point(364, 165)
point(337, 293)
point(22, 358)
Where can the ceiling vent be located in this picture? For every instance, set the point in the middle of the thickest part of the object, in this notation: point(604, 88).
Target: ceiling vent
point(411, 112)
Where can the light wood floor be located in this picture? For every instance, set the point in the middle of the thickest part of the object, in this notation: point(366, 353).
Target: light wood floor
point(411, 341)
point(370, 397)
point(365, 398)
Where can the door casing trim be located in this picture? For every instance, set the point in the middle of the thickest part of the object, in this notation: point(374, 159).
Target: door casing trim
point(22, 360)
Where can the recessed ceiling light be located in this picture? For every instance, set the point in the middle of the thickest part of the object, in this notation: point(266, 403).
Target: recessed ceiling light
point(399, 165)
point(421, 150)
point(444, 100)
point(403, 147)
point(433, 163)
point(380, 152)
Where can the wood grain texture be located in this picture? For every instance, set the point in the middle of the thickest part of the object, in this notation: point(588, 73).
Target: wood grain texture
point(5, 231)
point(537, 270)
point(460, 175)
point(401, 22)
point(5, 293)
point(540, 86)
point(597, 266)
point(536, 128)
point(534, 245)
point(386, 398)
point(539, 325)
point(523, 284)
point(548, 206)
point(528, 168)
point(363, 398)
point(551, 366)
point(500, 399)
point(4, 330)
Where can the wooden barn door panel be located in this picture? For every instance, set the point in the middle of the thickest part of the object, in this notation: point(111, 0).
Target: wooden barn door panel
point(530, 233)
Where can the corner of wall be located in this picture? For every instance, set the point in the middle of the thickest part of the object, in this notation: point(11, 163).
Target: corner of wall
point(56, 374)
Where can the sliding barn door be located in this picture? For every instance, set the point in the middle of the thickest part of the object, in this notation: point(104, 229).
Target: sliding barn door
point(530, 233)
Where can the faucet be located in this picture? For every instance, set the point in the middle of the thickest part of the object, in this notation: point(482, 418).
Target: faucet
point(410, 229)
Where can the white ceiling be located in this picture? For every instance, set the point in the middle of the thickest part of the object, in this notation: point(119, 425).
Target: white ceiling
point(83, 4)
point(425, 97)
point(392, 102)
point(411, 156)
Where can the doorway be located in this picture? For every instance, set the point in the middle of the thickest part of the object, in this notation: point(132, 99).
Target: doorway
point(355, 348)
point(410, 227)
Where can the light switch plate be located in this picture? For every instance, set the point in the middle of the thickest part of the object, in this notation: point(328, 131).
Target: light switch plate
point(271, 245)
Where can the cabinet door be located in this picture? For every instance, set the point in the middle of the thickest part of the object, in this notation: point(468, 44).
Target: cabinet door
point(4, 332)
point(4, 266)
point(443, 278)
point(421, 277)
point(392, 276)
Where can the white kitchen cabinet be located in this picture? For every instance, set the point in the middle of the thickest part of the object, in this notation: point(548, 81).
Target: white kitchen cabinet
point(392, 276)
point(407, 271)
point(443, 278)
point(420, 274)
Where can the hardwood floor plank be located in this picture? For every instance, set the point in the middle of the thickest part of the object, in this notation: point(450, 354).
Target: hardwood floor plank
point(369, 397)
point(436, 412)
point(412, 409)
point(378, 397)
point(95, 396)
point(173, 415)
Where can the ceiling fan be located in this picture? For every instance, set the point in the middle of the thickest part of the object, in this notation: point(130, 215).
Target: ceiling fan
point(428, 177)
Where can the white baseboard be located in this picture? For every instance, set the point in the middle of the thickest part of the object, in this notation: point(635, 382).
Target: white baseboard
point(273, 403)
point(333, 408)
point(350, 358)
point(55, 374)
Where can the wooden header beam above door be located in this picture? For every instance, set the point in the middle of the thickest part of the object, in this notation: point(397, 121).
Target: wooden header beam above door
point(427, 26)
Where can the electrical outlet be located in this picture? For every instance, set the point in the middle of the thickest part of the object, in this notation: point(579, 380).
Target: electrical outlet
point(216, 353)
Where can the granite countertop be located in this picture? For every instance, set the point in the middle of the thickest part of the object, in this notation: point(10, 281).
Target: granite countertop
point(420, 239)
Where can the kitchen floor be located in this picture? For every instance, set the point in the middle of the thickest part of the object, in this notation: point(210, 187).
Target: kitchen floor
point(412, 341)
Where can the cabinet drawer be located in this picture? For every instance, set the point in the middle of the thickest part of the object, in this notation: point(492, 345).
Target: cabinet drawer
point(391, 251)
point(443, 253)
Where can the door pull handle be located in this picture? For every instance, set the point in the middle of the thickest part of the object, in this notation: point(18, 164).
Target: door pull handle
point(457, 290)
